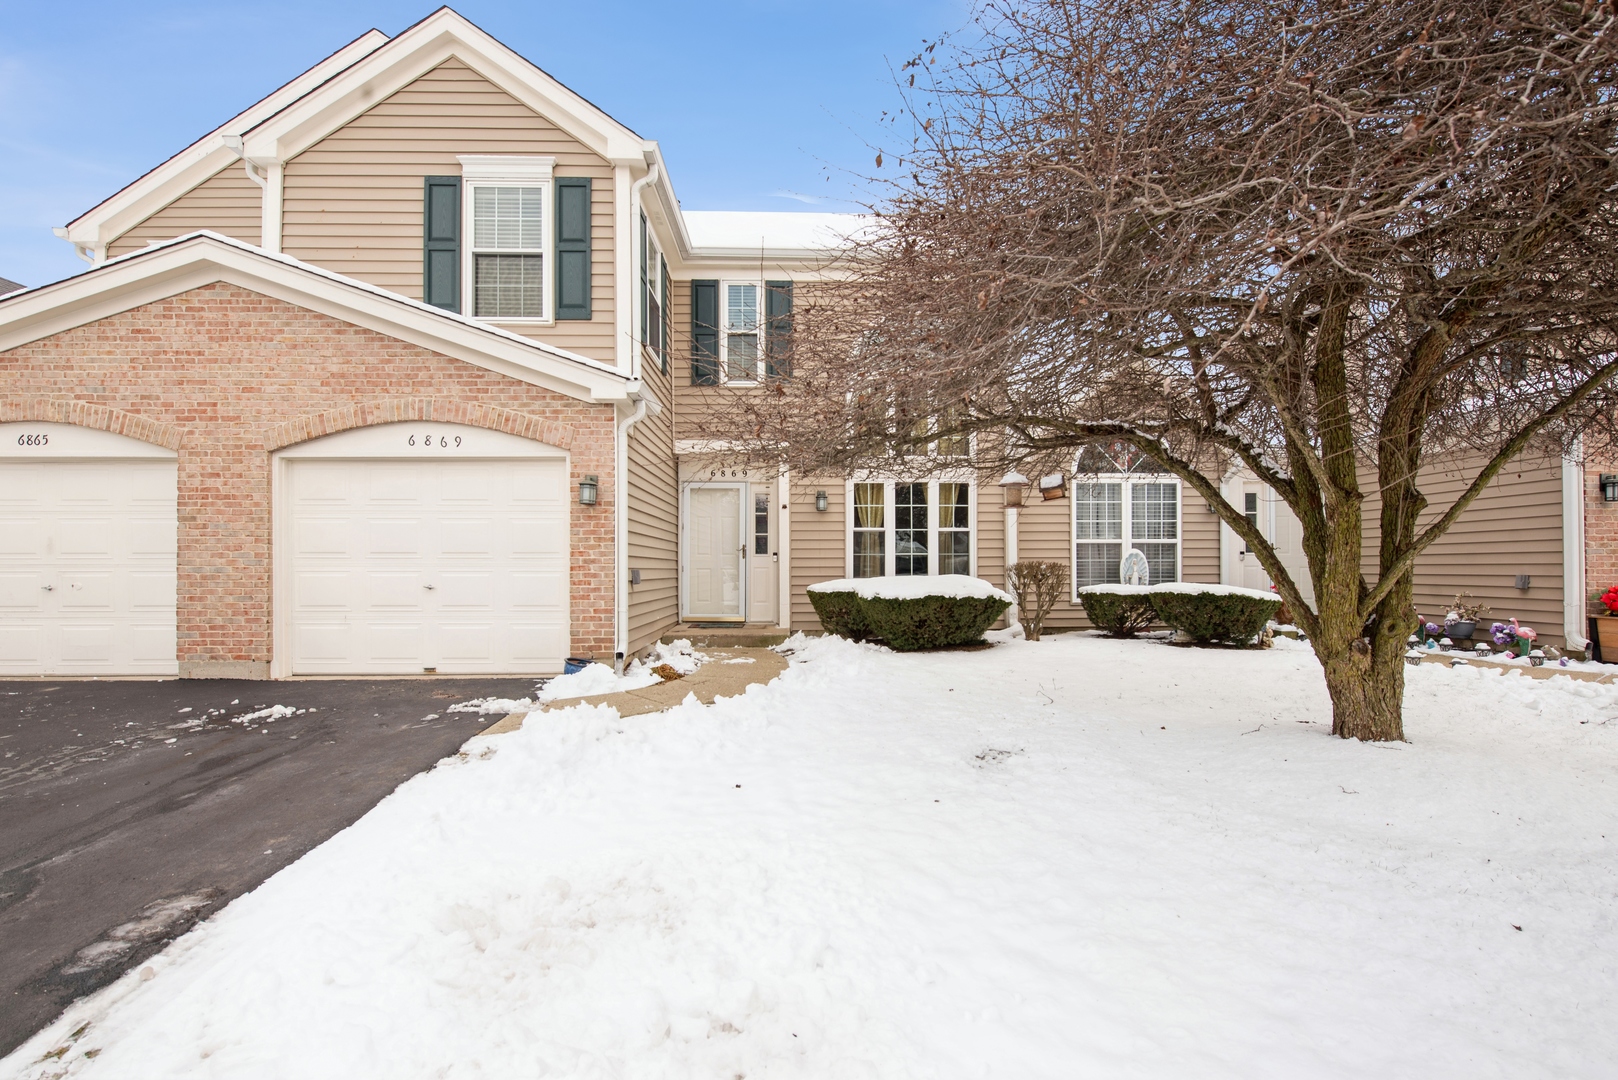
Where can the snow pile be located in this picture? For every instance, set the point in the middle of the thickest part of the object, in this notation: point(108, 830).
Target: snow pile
point(1117, 590)
point(1073, 857)
point(595, 679)
point(273, 713)
point(1208, 588)
point(956, 586)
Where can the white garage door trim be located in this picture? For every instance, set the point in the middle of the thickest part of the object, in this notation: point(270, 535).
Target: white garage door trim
point(108, 592)
point(403, 442)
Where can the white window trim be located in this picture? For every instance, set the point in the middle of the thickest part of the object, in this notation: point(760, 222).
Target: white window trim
point(502, 170)
point(724, 338)
point(889, 553)
point(651, 271)
point(1127, 540)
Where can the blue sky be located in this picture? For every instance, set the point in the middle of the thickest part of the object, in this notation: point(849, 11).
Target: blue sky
point(758, 106)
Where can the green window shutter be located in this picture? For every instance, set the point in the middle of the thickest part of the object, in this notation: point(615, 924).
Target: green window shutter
point(663, 353)
point(572, 247)
point(441, 243)
point(778, 329)
point(705, 333)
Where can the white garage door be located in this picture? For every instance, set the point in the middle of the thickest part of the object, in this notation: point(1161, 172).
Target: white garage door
point(87, 553)
point(431, 563)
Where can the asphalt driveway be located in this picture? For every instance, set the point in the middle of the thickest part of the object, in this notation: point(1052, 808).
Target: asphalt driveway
point(129, 810)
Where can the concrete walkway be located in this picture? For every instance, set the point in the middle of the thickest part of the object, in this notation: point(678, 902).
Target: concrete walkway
point(728, 672)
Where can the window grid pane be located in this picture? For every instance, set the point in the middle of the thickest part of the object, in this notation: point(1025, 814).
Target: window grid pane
point(508, 286)
point(1097, 564)
point(761, 524)
point(1161, 562)
point(954, 529)
point(508, 218)
point(1098, 511)
point(1153, 513)
point(910, 528)
point(870, 533)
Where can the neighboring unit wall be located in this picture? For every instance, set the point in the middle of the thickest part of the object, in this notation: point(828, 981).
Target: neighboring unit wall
point(654, 512)
point(1600, 535)
point(353, 201)
point(817, 545)
point(238, 375)
point(228, 202)
point(1514, 527)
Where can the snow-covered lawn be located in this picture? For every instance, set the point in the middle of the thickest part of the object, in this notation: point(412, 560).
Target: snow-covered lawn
point(1070, 858)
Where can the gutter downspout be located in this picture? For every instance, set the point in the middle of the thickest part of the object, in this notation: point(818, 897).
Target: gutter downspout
point(645, 404)
point(1573, 567)
point(269, 181)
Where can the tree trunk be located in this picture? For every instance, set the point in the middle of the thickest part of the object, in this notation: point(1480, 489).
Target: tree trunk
point(1367, 692)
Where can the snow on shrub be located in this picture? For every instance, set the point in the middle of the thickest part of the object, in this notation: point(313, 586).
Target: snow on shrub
point(1121, 610)
point(907, 613)
point(1209, 612)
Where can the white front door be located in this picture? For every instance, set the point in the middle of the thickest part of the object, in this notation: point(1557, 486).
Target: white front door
point(430, 565)
point(1258, 513)
point(88, 545)
point(716, 546)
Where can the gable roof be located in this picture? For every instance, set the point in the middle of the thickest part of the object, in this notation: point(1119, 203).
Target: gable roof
point(205, 258)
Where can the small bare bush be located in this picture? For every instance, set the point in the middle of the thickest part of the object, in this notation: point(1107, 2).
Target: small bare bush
point(1037, 585)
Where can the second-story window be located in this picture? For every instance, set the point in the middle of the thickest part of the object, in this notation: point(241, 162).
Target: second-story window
point(508, 250)
point(738, 338)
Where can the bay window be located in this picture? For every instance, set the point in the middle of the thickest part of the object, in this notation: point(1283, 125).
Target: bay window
point(910, 528)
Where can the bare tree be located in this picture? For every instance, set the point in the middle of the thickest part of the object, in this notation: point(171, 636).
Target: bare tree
point(1330, 241)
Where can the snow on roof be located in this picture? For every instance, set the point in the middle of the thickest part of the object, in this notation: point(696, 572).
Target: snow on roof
point(771, 229)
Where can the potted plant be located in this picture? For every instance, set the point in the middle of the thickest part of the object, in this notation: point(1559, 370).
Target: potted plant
point(1462, 621)
point(1604, 628)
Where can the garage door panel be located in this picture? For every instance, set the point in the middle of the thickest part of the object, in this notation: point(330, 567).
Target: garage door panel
point(331, 537)
point(328, 590)
point(321, 644)
point(102, 533)
point(489, 536)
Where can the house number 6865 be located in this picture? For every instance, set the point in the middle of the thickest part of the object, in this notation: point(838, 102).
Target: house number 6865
point(33, 440)
point(427, 441)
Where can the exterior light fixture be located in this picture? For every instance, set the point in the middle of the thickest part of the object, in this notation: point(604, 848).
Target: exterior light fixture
point(1413, 658)
point(589, 491)
point(1537, 658)
point(1012, 484)
point(820, 502)
point(1609, 486)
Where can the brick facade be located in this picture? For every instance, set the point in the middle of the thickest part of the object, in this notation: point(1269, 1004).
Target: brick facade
point(225, 376)
point(1600, 536)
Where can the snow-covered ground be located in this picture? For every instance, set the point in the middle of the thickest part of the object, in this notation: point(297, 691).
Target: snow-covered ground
point(1069, 858)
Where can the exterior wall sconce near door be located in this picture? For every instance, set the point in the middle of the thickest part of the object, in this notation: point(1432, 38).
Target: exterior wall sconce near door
point(1609, 487)
point(820, 502)
point(589, 491)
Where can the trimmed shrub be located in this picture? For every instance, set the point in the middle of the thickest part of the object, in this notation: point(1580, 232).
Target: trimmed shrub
point(1038, 585)
point(1121, 610)
point(1214, 612)
point(841, 613)
point(932, 622)
point(909, 612)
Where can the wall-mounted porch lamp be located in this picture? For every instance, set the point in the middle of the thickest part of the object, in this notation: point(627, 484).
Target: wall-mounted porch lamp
point(1609, 486)
point(820, 502)
point(589, 491)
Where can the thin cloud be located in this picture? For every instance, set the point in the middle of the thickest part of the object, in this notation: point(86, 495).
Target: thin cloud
point(797, 196)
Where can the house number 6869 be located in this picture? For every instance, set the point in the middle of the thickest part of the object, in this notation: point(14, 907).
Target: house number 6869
point(427, 441)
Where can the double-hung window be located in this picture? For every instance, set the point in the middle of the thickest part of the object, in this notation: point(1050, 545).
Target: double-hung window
point(739, 352)
point(509, 230)
point(910, 528)
point(654, 293)
point(1112, 515)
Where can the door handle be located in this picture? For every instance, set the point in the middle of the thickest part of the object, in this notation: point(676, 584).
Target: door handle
point(49, 588)
point(429, 587)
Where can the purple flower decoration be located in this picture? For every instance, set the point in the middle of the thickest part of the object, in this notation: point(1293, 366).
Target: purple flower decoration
point(1432, 629)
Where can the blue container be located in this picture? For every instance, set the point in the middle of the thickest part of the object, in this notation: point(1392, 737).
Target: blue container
point(574, 664)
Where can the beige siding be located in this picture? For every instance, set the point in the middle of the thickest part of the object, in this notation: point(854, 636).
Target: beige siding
point(353, 201)
point(653, 518)
point(227, 202)
point(1514, 527)
point(817, 545)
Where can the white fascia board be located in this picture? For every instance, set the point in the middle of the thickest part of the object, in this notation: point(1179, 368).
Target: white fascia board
point(139, 200)
point(200, 259)
point(412, 54)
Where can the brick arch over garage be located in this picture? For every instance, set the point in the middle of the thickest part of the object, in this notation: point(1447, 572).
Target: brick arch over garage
point(395, 410)
point(89, 415)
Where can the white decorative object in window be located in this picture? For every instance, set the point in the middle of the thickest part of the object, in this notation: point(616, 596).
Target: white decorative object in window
point(910, 528)
point(1109, 520)
point(508, 208)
